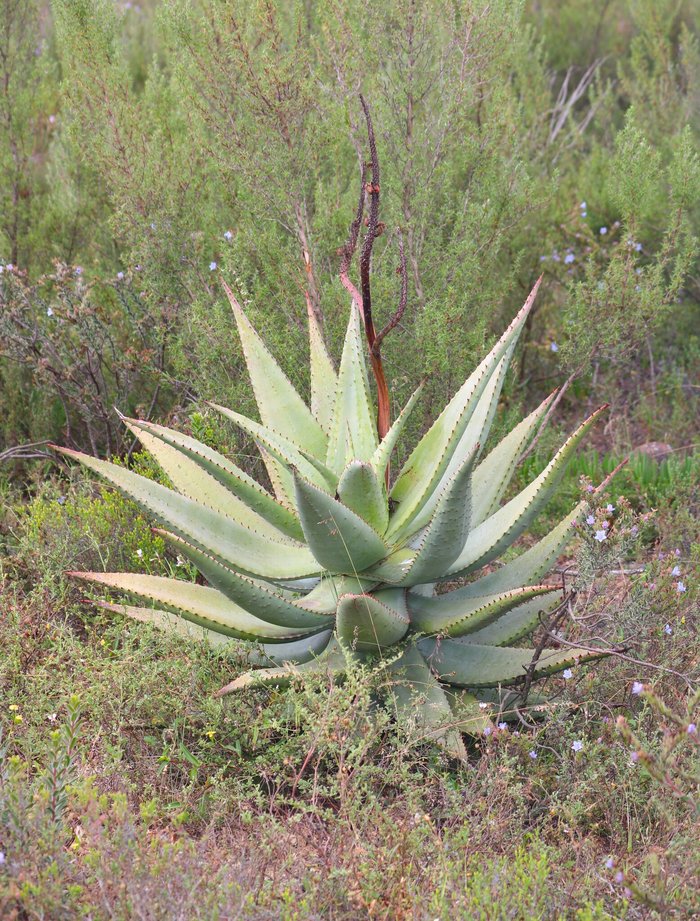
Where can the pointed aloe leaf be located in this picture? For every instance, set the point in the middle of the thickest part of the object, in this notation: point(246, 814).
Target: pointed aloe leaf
point(197, 603)
point(189, 479)
point(447, 532)
point(360, 489)
point(530, 566)
point(168, 622)
point(222, 537)
point(228, 474)
point(493, 666)
point(340, 540)
point(370, 624)
point(281, 407)
point(425, 467)
point(283, 450)
point(353, 422)
point(281, 479)
point(492, 476)
point(421, 705)
point(324, 598)
point(331, 661)
point(253, 596)
point(381, 457)
point(394, 568)
point(296, 653)
point(499, 531)
point(324, 380)
point(515, 624)
point(459, 616)
point(474, 436)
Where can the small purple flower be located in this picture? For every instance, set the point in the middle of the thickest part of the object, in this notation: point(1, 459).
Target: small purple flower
point(600, 536)
point(652, 585)
point(634, 529)
point(680, 587)
point(609, 507)
point(554, 347)
point(583, 213)
point(628, 893)
point(567, 673)
point(603, 230)
point(661, 556)
point(606, 525)
point(533, 755)
point(605, 719)
point(569, 259)
point(634, 756)
point(676, 571)
point(543, 258)
point(78, 271)
point(228, 234)
point(609, 863)
point(212, 266)
point(676, 553)
point(619, 877)
point(503, 726)
point(120, 275)
point(637, 687)
point(583, 206)
point(638, 247)
point(692, 729)
point(589, 488)
point(153, 226)
point(590, 520)
point(488, 731)
point(667, 630)
point(577, 745)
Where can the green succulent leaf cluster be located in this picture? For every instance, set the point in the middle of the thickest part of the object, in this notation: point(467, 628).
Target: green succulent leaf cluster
point(335, 565)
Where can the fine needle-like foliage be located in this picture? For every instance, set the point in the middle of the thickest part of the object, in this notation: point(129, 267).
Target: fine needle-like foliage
point(341, 564)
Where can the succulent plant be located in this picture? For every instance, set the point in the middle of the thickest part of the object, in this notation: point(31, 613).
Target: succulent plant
point(336, 565)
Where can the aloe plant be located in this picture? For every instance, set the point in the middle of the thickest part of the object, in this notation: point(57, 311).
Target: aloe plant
point(335, 565)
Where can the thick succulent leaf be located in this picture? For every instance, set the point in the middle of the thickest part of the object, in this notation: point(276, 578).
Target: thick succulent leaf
point(468, 665)
point(371, 624)
point(324, 380)
point(447, 531)
point(331, 661)
point(353, 434)
point(459, 616)
point(197, 603)
point(381, 457)
point(340, 540)
point(394, 568)
point(530, 566)
point(192, 481)
point(167, 621)
point(515, 624)
point(284, 450)
point(429, 460)
point(421, 705)
point(324, 597)
point(492, 476)
point(258, 598)
point(295, 653)
point(228, 474)
point(225, 539)
point(360, 490)
point(281, 407)
point(499, 531)
point(468, 716)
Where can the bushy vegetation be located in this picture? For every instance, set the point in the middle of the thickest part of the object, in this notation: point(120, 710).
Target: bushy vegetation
point(146, 148)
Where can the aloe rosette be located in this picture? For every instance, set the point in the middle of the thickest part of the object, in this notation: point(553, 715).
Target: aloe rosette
point(335, 566)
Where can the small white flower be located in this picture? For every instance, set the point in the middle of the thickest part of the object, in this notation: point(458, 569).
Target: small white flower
point(212, 266)
point(577, 745)
point(483, 706)
point(676, 571)
point(583, 206)
point(503, 726)
point(667, 629)
point(49, 312)
point(120, 275)
point(554, 347)
point(609, 507)
point(567, 673)
point(2, 857)
point(637, 687)
point(139, 552)
point(569, 258)
point(228, 234)
point(51, 717)
point(601, 535)
point(680, 587)
point(603, 230)
point(153, 226)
